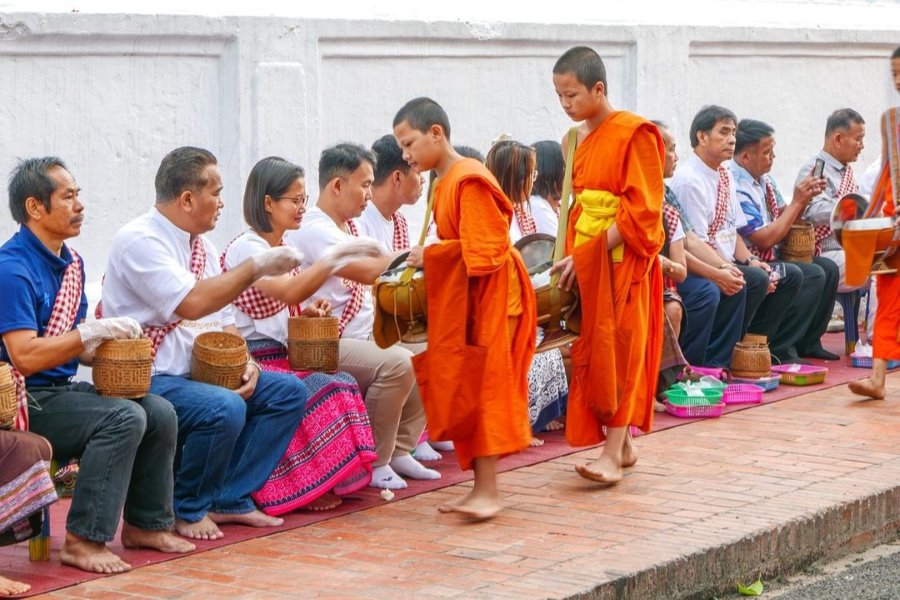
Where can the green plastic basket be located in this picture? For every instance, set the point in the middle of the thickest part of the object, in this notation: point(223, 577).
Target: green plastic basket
point(679, 397)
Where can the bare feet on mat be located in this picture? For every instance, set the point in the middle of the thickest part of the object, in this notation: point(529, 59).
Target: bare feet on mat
point(867, 387)
point(326, 501)
point(474, 507)
point(93, 557)
point(629, 453)
point(8, 587)
point(555, 425)
point(164, 541)
point(204, 529)
point(602, 470)
point(253, 518)
point(536, 442)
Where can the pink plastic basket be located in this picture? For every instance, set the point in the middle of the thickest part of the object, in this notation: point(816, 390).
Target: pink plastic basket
point(698, 411)
point(805, 375)
point(742, 393)
point(766, 383)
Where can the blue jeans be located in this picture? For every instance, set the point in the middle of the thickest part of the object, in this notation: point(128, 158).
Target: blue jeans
point(125, 447)
point(229, 446)
point(714, 322)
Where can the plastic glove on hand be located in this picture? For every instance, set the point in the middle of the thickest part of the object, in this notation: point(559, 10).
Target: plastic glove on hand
point(115, 328)
point(340, 255)
point(276, 261)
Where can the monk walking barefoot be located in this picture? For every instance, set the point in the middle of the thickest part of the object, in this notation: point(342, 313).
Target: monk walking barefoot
point(10, 587)
point(614, 236)
point(481, 310)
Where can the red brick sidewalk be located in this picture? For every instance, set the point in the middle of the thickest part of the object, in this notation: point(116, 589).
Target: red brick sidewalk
point(755, 491)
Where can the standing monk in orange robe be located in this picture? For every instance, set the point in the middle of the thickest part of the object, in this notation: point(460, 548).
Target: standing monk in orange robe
point(615, 234)
point(886, 335)
point(481, 310)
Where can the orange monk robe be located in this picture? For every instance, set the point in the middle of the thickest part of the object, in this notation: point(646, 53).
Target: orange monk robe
point(885, 334)
point(616, 359)
point(481, 321)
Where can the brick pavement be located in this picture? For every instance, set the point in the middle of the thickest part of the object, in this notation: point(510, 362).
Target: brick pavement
point(758, 491)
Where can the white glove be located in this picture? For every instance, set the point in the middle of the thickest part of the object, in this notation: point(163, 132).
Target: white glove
point(276, 261)
point(340, 255)
point(115, 328)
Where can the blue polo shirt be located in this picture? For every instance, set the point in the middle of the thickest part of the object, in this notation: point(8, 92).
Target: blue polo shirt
point(30, 277)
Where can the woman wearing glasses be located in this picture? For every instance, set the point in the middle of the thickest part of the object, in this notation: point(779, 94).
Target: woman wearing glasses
point(332, 451)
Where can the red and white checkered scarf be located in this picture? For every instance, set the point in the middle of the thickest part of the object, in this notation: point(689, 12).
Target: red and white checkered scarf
point(774, 213)
point(62, 318)
point(253, 302)
point(671, 219)
point(198, 266)
point(357, 291)
point(401, 232)
point(524, 219)
point(847, 186)
point(723, 196)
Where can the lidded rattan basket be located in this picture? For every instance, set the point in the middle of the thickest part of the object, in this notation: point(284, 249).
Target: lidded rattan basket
point(751, 358)
point(313, 343)
point(8, 405)
point(122, 368)
point(799, 245)
point(219, 358)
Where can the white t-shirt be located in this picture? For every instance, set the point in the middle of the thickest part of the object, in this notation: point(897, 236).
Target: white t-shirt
point(318, 233)
point(545, 218)
point(696, 187)
point(148, 275)
point(373, 224)
point(244, 247)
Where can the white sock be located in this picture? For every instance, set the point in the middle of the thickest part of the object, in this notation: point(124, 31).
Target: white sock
point(408, 466)
point(425, 452)
point(441, 446)
point(386, 478)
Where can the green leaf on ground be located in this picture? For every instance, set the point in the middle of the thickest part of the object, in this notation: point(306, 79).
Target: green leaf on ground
point(754, 589)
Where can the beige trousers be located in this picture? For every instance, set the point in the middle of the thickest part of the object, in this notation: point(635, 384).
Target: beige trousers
point(388, 384)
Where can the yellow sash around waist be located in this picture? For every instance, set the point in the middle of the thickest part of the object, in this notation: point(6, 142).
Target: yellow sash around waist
point(598, 213)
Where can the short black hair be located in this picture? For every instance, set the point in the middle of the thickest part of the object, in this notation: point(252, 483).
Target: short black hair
point(271, 176)
point(341, 161)
point(843, 119)
point(751, 132)
point(421, 114)
point(706, 119)
point(585, 63)
point(180, 170)
point(30, 179)
point(896, 53)
point(551, 168)
point(469, 152)
point(389, 158)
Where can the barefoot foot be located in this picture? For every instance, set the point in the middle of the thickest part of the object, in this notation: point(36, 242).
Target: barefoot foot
point(555, 425)
point(204, 529)
point(474, 507)
point(163, 541)
point(253, 518)
point(867, 387)
point(602, 470)
point(326, 501)
point(89, 556)
point(8, 587)
point(536, 442)
point(629, 453)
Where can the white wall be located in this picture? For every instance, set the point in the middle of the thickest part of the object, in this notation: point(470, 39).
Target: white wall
point(111, 94)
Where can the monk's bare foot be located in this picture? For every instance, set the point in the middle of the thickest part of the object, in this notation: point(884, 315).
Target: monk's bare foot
point(474, 507)
point(554, 425)
point(536, 442)
point(204, 529)
point(253, 518)
point(164, 541)
point(629, 453)
point(867, 387)
point(8, 587)
point(602, 470)
point(326, 501)
point(89, 556)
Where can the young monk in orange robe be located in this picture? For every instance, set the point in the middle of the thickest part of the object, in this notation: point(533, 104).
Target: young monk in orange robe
point(481, 310)
point(615, 234)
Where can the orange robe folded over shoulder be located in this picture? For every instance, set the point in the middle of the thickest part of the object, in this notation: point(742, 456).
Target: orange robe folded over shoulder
point(481, 321)
point(617, 176)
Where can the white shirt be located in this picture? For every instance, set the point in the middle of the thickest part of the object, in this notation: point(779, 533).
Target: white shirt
point(696, 187)
point(544, 216)
point(318, 233)
point(148, 275)
point(246, 246)
point(373, 224)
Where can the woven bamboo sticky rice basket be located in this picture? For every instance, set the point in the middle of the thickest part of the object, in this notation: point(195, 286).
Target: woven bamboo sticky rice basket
point(122, 368)
point(313, 343)
point(800, 243)
point(7, 397)
point(219, 358)
point(751, 358)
